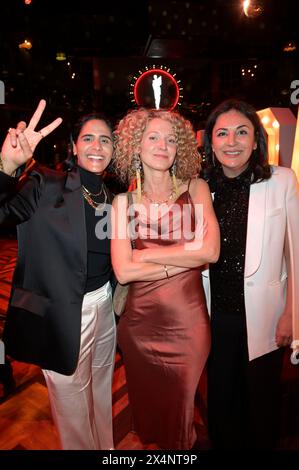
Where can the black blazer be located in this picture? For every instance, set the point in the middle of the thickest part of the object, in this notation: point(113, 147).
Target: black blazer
point(44, 315)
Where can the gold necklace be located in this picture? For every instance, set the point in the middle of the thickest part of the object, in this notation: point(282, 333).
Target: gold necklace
point(88, 196)
point(158, 203)
point(90, 193)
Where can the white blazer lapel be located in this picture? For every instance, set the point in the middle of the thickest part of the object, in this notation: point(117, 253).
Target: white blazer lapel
point(255, 227)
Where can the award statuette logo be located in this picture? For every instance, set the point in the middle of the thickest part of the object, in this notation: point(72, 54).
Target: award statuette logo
point(156, 87)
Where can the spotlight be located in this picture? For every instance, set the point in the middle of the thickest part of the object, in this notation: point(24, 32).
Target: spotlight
point(252, 8)
point(25, 45)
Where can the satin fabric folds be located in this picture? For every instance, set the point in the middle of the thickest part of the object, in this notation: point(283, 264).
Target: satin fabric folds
point(164, 335)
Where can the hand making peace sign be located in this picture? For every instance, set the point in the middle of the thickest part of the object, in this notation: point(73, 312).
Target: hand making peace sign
point(20, 142)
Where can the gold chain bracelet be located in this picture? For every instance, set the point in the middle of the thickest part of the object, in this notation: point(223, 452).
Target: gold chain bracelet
point(2, 167)
point(166, 271)
point(1, 163)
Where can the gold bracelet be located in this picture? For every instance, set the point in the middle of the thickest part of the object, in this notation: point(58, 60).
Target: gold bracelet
point(166, 271)
point(2, 167)
point(1, 163)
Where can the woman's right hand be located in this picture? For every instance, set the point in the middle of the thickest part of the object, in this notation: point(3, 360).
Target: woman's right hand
point(20, 142)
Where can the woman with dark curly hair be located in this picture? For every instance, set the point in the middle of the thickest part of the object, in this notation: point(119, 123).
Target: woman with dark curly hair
point(254, 285)
point(164, 333)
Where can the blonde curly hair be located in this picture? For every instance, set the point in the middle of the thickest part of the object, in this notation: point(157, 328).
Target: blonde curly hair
point(128, 135)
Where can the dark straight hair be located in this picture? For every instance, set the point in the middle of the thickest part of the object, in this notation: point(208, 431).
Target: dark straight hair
point(71, 159)
point(258, 161)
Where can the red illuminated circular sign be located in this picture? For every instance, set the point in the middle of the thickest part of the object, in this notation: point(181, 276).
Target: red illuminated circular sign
point(156, 88)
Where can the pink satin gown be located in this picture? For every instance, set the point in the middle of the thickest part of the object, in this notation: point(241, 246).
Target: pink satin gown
point(164, 335)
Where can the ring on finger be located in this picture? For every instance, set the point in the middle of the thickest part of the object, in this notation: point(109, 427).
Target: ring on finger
point(8, 130)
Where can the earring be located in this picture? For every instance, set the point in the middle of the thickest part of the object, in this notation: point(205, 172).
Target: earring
point(137, 165)
point(172, 171)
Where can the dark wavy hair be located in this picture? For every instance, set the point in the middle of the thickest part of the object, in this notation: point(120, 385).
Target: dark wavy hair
point(71, 159)
point(258, 161)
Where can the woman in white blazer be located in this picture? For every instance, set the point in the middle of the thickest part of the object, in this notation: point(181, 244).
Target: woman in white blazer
point(252, 289)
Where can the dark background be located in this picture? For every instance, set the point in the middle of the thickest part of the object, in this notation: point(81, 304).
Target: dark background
point(206, 43)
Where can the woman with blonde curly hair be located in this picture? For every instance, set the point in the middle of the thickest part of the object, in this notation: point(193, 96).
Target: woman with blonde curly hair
point(164, 332)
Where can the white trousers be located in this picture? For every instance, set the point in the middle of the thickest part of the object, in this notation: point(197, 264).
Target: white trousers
point(82, 403)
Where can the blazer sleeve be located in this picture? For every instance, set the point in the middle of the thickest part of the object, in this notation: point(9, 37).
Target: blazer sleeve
point(19, 198)
point(292, 211)
point(7, 186)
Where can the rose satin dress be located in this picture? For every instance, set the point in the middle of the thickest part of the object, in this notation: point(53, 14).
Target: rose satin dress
point(164, 336)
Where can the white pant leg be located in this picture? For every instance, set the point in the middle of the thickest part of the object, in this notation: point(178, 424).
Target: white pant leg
point(71, 397)
point(103, 359)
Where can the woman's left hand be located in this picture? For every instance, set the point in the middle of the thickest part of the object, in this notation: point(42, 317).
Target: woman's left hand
point(284, 330)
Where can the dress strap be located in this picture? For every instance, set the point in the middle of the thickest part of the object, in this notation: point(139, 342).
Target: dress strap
point(131, 216)
point(189, 195)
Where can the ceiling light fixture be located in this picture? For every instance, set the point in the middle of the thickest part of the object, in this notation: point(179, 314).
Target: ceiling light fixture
point(25, 45)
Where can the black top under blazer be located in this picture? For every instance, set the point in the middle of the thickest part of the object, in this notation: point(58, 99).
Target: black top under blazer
point(44, 315)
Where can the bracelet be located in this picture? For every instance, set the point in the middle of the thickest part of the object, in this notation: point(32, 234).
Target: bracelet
point(166, 271)
point(2, 167)
point(1, 163)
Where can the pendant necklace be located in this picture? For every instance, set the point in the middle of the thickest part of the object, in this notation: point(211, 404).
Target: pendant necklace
point(158, 203)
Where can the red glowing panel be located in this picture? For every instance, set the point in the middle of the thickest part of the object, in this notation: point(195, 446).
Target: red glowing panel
point(156, 88)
